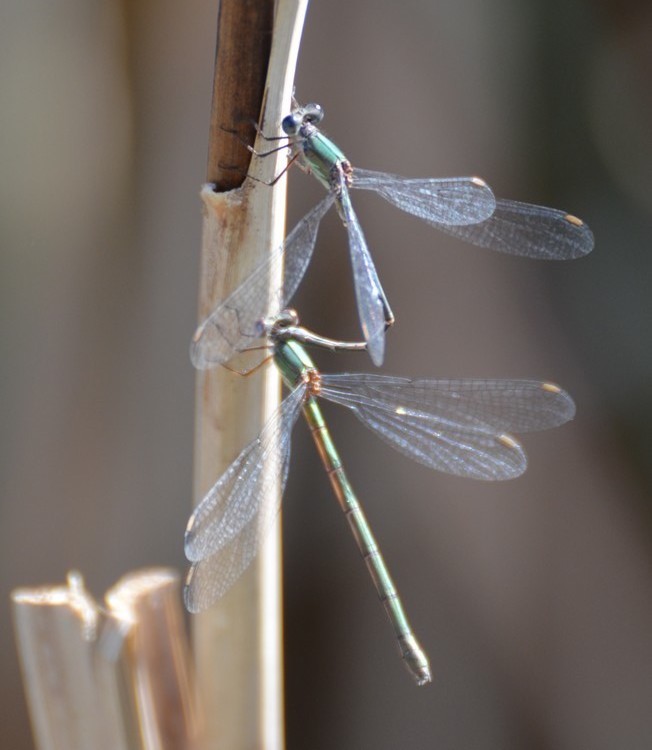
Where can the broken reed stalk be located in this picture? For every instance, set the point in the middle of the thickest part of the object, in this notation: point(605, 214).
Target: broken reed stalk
point(108, 678)
point(238, 641)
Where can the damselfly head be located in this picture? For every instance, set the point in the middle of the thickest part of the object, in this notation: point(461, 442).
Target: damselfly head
point(285, 319)
point(308, 115)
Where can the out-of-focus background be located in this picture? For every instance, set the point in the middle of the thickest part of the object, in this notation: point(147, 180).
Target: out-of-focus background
point(532, 597)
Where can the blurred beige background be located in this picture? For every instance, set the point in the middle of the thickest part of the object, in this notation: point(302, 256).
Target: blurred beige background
point(532, 597)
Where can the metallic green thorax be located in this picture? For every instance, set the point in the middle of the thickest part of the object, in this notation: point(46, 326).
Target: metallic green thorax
point(292, 361)
point(296, 366)
point(321, 155)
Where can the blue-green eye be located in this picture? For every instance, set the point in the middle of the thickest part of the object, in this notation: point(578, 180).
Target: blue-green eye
point(291, 123)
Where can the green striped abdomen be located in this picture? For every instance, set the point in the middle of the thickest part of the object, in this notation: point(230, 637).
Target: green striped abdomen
point(411, 652)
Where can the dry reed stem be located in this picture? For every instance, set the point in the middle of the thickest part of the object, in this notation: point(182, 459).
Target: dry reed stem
point(238, 641)
point(114, 678)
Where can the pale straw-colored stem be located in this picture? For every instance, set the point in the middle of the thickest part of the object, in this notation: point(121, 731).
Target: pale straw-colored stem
point(143, 635)
point(107, 678)
point(238, 641)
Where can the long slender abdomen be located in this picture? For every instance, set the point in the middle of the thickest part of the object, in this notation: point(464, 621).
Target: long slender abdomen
point(413, 655)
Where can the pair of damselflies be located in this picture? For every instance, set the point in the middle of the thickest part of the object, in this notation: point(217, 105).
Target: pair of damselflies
point(462, 427)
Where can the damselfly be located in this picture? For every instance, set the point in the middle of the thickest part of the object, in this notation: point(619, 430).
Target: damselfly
point(464, 207)
point(461, 427)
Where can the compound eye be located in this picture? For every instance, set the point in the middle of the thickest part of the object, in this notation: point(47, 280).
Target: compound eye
point(285, 318)
point(313, 113)
point(291, 316)
point(291, 124)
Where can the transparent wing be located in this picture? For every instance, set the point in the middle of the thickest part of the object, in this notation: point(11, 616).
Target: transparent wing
point(235, 498)
point(232, 326)
point(370, 297)
point(457, 426)
point(228, 526)
point(530, 231)
point(442, 202)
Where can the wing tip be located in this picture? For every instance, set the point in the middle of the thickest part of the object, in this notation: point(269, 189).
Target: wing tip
point(189, 599)
point(376, 349)
point(196, 352)
point(566, 408)
point(189, 541)
point(586, 240)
